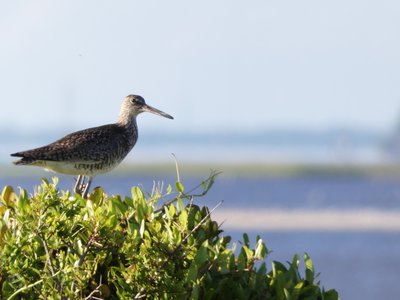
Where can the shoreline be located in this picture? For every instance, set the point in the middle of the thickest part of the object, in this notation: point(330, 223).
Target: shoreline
point(364, 220)
point(232, 170)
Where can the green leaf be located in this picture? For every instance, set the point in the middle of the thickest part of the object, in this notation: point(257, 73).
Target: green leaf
point(246, 240)
point(308, 262)
point(295, 261)
point(192, 273)
point(169, 189)
point(297, 290)
point(142, 228)
point(183, 219)
point(8, 194)
point(171, 210)
point(202, 255)
point(180, 204)
point(133, 228)
point(45, 182)
point(261, 250)
point(137, 194)
point(242, 260)
point(55, 180)
point(128, 201)
point(309, 268)
point(23, 201)
point(249, 253)
point(112, 221)
point(330, 295)
point(179, 187)
point(278, 266)
point(117, 206)
point(97, 195)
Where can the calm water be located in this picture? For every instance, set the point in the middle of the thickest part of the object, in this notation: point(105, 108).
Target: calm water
point(309, 192)
point(360, 265)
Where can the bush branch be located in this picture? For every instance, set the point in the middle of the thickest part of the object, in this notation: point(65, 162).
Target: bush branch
point(50, 263)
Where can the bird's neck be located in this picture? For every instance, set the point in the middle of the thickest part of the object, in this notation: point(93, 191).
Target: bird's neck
point(130, 128)
point(128, 122)
point(127, 119)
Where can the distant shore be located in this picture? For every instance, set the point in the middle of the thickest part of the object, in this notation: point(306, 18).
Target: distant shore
point(309, 220)
point(235, 170)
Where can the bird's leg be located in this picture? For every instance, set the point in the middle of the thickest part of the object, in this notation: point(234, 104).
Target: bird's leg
point(85, 191)
point(78, 187)
point(82, 185)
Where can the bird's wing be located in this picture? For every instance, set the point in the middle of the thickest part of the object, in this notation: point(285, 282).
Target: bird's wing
point(89, 145)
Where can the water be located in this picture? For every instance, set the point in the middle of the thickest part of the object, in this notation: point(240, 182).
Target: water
point(309, 192)
point(359, 264)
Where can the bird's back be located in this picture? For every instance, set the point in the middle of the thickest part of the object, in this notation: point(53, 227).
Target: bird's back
point(104, 144)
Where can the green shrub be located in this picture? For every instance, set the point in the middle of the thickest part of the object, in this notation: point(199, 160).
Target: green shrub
point(55, 245)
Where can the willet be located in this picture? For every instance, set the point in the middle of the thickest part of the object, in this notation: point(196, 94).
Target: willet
point(91, 151)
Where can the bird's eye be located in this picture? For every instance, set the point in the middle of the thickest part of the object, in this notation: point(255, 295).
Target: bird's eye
point(137, 100)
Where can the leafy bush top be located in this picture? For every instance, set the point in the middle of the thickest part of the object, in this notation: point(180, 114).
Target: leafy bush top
point(60, 246)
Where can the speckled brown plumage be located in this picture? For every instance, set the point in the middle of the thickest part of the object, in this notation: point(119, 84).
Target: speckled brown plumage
point(104, 144)
point(94, 150)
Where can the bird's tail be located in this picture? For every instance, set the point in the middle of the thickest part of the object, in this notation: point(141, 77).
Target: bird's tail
point(23, 160)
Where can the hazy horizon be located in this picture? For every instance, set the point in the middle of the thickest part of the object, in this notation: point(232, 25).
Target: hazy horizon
point(269, 146)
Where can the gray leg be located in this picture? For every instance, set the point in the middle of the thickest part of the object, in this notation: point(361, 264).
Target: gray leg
point(86, 190)
point(77, 187)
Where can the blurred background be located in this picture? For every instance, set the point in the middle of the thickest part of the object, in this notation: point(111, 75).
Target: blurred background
point(298, 103)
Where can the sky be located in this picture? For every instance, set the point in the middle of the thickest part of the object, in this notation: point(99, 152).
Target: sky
point(214, 65)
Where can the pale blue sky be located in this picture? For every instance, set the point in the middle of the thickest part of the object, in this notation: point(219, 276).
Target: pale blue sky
point(210, 64)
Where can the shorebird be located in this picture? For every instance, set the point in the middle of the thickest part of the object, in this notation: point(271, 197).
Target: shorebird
point(91, 151)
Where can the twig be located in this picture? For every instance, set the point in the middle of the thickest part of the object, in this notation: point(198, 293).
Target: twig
point(192, 231)
point(84, 254)
point(96, 290)
point(82, 258)
point(202, 221)
point(140, 295)
point(52, 269)
point(178, 178)
point(210, 181)
point(24, 288)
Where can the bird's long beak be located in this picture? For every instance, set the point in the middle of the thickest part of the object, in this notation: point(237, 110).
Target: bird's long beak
point(156, 111)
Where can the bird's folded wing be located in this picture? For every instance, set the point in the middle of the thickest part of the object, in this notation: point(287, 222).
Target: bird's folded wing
point(89, 145)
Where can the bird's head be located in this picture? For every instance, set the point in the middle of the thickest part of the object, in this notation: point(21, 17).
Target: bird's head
point(134, 105)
